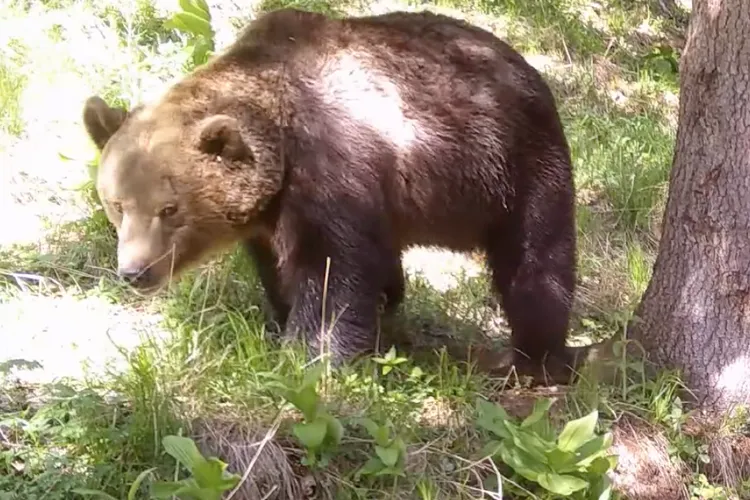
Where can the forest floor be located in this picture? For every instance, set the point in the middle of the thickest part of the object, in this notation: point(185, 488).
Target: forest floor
point(92, 377)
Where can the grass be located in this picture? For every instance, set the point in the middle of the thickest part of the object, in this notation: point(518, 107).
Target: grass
point(11, 85)
point(212, 369)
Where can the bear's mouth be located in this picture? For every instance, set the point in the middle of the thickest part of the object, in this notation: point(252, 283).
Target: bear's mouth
point(146, 284)
point(147, 289)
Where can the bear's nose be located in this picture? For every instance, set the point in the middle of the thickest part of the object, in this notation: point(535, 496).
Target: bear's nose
point(136, 276)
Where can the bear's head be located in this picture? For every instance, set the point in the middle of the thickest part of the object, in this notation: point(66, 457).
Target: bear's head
point(178, 185)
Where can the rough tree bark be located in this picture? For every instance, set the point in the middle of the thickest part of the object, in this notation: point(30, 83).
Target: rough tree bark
point(695, 313)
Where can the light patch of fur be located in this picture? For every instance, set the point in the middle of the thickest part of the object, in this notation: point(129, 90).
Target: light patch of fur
point(349, 84)
point(106, 174)
point(475, 51)
point(162, 136)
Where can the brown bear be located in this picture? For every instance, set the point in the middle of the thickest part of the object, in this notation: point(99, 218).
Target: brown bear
point(312, 137)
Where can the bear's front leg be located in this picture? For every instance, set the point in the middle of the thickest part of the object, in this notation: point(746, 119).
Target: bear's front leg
point(346, 324)
point(266, 265)
point(360, 271)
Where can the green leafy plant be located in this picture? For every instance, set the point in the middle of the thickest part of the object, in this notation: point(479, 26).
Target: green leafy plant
point(320, 432)
point(663, 59)
point(701, 488)
point(427, 489)
point(573, 464)
point(390, 360)
point(131, 492)
point(195, 20)
point(390, 451)
point(209, 477)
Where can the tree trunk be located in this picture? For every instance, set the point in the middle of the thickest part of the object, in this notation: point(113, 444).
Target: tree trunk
point(695, 313)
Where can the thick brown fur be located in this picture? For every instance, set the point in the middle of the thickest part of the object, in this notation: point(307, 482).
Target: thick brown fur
point(354, 139)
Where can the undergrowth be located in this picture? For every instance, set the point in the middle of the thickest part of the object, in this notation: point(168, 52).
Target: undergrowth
point(418, 424)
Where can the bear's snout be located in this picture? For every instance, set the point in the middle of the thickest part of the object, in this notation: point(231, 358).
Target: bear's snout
point(138, 277)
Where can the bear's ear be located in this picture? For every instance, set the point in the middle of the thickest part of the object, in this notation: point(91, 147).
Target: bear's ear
point(220, 135)
point(101, 120)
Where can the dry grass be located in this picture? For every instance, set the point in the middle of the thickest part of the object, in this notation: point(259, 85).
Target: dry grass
point(247, 449)
point(729, 459)
point(645, 470)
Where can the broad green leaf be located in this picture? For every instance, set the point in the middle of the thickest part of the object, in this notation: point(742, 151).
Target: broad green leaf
point(492, 410)
point(372, 466)
point(202, 494)
point(313, 374)
point(183, 450)
point(541, 406)
point(561, 461)
point(592, 449)
point(490, 449)
point(390, 355)
point(325, 458)
point(190, 23)
point(390, 359)
point(383, 436)
point(204, 7)
point(601, 489)
point(491, 418)
point(515, 459)
point(137, 483)
point(100, 494)
point(561, 484)
point(576, 432)
point(532, 444)
point(196, 25)
point(389, 456)
point(187, 6)
point(195, 8)
point(183, 491)
point(306, 401)
point(169, 489)
point(335, 431)
point(373, 428)
point(202, 49)
point(175, 23)
point(211, 474)
point(310, 459)
point(311, 434)
point(400, 445)
point(600, 466)
point(390, 471)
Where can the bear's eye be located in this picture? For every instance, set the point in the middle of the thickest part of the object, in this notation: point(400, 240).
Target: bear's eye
point(168, 211)
point(117, 207)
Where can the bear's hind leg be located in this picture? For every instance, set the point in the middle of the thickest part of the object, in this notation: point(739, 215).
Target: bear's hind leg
point(533, 265)
point(395, 287)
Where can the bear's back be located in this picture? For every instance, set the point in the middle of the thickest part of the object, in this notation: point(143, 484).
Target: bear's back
point(427, 109)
